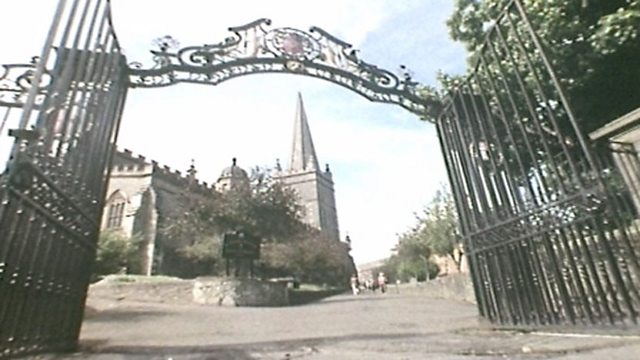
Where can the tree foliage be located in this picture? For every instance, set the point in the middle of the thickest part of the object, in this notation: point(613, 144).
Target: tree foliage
point(593, 47)
point(310, 258)
point(268, 211)
point(265, 209)
point(116, 252)
point(438, 227)
point(435, 233)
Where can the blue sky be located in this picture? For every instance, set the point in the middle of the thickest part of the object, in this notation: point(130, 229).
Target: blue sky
point(386, 163)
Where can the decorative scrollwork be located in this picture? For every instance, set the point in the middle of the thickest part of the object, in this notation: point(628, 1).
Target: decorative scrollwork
point(254, 48)
point(292, 43)
point(16, 80)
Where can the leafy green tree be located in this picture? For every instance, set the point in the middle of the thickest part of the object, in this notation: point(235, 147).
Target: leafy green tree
point(265, 209)
point(435, 233)
point(593, 47)
point(438, 226)
point(391, 269)
point(414, 257)
point(310, 258)
point(116, 252)
point(274, 213)
point(191, 236)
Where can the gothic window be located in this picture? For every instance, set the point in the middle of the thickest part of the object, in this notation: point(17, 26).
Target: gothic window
point(116, 204)
point(115, 215)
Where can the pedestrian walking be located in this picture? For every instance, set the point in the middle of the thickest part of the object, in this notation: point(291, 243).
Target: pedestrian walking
point(382, 282)
point(355, 285)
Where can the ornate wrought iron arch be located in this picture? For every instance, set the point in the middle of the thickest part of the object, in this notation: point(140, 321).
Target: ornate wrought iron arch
point(255, 48)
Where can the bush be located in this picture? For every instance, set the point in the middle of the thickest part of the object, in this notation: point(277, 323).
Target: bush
point(117, 252)
point(312, 260)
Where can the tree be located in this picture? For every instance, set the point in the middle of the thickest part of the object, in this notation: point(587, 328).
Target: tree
point(274, 213)
point(265, 210)
point(435, 233)
point(438, 226)
point(116, 252)
point(310, 258)
point(593, 47)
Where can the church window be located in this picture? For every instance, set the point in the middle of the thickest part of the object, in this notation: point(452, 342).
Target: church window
point(115, 215)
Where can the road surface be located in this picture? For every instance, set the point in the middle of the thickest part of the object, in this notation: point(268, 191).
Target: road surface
point(402, 324)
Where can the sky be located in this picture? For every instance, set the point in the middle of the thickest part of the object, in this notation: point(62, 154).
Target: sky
point(386, 163)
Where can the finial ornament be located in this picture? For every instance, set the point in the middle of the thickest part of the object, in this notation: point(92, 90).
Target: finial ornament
point(165, 43)
point(192, 168)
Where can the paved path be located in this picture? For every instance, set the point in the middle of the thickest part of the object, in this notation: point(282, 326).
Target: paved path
point(406, 325)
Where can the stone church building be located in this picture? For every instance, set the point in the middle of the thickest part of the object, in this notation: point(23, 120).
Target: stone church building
point(313, 185)
point(142, 195)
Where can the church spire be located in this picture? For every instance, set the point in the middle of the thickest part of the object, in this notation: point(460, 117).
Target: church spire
point(303, 154)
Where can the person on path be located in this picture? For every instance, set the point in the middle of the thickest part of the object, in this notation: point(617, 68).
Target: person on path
point(382, 282)
point(355, 285)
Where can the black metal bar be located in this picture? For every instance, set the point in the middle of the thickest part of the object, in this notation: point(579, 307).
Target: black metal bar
point(53, 192)
point(543, 254)
point(604, 263)
point(556, 84)
point(69, 67)
point(478, 202)
point(471, 113)
point(568, 253)
point(499, 142)
point(533, 117)
point(622, 212)
point(491, 287)
point(463, 171)
point(461, 209)
point(540, 192)
point(545, 100)
point(592, 278)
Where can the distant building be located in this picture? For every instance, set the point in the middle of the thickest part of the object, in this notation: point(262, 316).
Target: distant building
point(142, 196)
point(368, 271)
point(447, 266)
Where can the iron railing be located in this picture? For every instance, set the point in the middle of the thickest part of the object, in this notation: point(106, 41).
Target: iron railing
point(546, 223)
point(52, 191)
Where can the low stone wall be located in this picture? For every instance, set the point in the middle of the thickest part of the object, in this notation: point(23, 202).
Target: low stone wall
point(239, 292)
point(454, 287)
point(173, 292)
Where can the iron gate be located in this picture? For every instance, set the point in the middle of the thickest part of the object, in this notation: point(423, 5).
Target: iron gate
point(548, 227)
point(53, 187)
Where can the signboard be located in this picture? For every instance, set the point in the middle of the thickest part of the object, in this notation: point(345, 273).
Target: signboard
point(239, 245)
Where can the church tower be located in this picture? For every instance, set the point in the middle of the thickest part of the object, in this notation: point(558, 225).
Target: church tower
point(313, 186)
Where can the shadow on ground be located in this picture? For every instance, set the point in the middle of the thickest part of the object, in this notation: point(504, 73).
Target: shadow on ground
point(288, 349)
point(302, 297)
point(121, 315)
point(333, 300)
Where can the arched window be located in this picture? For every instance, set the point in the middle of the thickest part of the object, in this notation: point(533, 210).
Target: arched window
point(115, 210)
point(115, 215)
